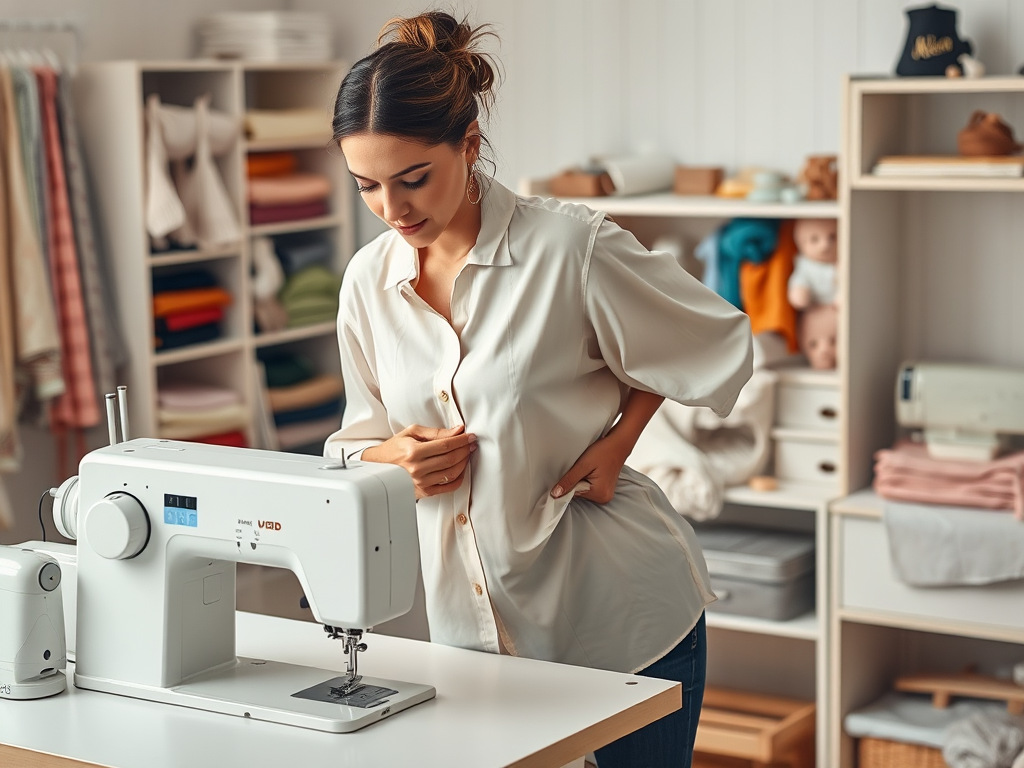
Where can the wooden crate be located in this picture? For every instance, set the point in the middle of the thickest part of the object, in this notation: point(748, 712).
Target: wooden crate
point(754, 727)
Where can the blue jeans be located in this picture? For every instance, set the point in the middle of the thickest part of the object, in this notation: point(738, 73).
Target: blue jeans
point(667, 743)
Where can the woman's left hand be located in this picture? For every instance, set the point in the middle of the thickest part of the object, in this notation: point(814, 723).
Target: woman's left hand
point(599, 465)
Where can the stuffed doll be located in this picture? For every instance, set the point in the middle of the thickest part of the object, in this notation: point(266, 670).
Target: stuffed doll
point(817, 329)
point(814, 271)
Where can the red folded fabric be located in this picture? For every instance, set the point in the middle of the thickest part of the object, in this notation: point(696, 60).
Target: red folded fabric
point(182, 321)
point(907, 473)
point(235, 439)
point(271, 214)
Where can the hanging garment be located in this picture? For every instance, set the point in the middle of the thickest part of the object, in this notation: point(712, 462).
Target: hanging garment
point(164, 211)
point(27, 96)
point(78, 407)
point(108, 347)
point(31, 340)
point(208, 207)
point(173, 134)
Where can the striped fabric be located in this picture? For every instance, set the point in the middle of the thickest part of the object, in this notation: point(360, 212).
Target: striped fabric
point(103, 329)
point(78, 407)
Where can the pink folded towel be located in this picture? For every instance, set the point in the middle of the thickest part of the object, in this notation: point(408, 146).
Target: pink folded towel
point(293, 189)
point(907, 473)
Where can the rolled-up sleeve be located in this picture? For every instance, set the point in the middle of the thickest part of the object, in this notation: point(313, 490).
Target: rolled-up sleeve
point(659, 329)
point(365, 421)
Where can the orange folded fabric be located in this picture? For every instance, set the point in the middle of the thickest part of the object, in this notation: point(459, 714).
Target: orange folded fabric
point(763, 290)
point(270, 164)
point(293, 189)
point(172, 302)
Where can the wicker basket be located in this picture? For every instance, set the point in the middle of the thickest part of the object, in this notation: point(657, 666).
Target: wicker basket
point(879, 753)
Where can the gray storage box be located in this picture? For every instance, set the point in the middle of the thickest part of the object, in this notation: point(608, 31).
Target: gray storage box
point(762, 573)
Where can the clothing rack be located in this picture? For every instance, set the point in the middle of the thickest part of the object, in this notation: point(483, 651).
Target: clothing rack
point(9, 27)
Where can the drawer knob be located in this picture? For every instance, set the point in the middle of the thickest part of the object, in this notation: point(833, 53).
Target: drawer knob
point(827, 467)
point(828, 413)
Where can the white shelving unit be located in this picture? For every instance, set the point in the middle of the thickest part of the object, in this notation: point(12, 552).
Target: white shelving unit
point(787, 658)
point(110, 99)
point(931, 271)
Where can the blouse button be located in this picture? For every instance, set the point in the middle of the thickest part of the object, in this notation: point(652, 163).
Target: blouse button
point(478, 589)
point(462, 519)
point(443, 396)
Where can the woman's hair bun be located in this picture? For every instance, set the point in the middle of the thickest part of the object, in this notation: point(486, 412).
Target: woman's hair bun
point(440, 32)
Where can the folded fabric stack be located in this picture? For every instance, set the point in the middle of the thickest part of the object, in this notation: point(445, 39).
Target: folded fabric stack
point(311, 296)
point(265, 36)
point(277, 192)
point(307, 406)
point(202, 414)
point(907, 473)
point(291, 284)
point(188, 308)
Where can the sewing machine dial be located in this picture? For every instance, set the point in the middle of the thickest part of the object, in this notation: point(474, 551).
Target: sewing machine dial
point(117, 526)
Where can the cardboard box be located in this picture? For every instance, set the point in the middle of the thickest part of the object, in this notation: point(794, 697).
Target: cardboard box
point(581, 184)
point(693, 180)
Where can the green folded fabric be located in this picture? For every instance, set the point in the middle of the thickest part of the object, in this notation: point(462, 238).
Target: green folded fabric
point(311, 281)
point(286, 370)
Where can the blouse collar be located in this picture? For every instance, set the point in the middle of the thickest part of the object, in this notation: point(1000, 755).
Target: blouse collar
point(491, 249)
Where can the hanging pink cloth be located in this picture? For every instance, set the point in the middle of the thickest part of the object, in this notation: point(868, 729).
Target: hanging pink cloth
point(78, 407)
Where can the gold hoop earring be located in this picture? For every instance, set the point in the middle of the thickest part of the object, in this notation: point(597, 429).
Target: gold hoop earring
point(473, 187)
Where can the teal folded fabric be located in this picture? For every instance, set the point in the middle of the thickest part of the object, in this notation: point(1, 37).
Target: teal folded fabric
point(752, 240)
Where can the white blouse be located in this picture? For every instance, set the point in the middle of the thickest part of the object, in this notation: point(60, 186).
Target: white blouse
point(556, 313)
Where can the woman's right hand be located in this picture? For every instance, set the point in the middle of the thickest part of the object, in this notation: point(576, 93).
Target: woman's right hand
point(435, 458)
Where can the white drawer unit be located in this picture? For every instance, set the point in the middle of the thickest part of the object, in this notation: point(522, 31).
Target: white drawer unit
point(807, 456)
point(807, 399)
point(867, 583)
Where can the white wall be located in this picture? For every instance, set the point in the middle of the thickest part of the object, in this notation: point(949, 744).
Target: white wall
point(730, 82)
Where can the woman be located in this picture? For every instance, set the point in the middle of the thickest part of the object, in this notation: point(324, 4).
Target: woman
point(508, 352)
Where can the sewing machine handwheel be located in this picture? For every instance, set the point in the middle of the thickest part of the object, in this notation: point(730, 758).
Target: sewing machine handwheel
point(117, 526)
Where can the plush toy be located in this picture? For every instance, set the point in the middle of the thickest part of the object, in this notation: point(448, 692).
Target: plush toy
point(814, 272)
point(820, 177)
point(817, 330)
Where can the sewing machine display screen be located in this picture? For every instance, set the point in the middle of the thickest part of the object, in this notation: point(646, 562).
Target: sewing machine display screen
point(181, 510)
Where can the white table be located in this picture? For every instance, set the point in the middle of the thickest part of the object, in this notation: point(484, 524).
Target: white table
point(489, 711)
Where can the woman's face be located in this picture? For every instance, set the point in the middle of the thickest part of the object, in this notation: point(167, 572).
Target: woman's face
point(416, 189)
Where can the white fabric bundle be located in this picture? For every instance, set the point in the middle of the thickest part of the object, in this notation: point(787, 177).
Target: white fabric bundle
point(692, 454)
point(984, 741)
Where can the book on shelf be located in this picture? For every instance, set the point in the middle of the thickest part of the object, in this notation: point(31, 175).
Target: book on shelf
point(1003, 167)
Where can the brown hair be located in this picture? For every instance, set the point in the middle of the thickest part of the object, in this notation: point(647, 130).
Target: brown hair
point(427, 80)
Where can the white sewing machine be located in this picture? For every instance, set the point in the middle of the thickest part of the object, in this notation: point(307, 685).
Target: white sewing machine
point(966, 411)
point(160, 528)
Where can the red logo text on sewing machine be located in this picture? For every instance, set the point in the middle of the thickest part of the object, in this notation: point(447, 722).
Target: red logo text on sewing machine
point(269, 525)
